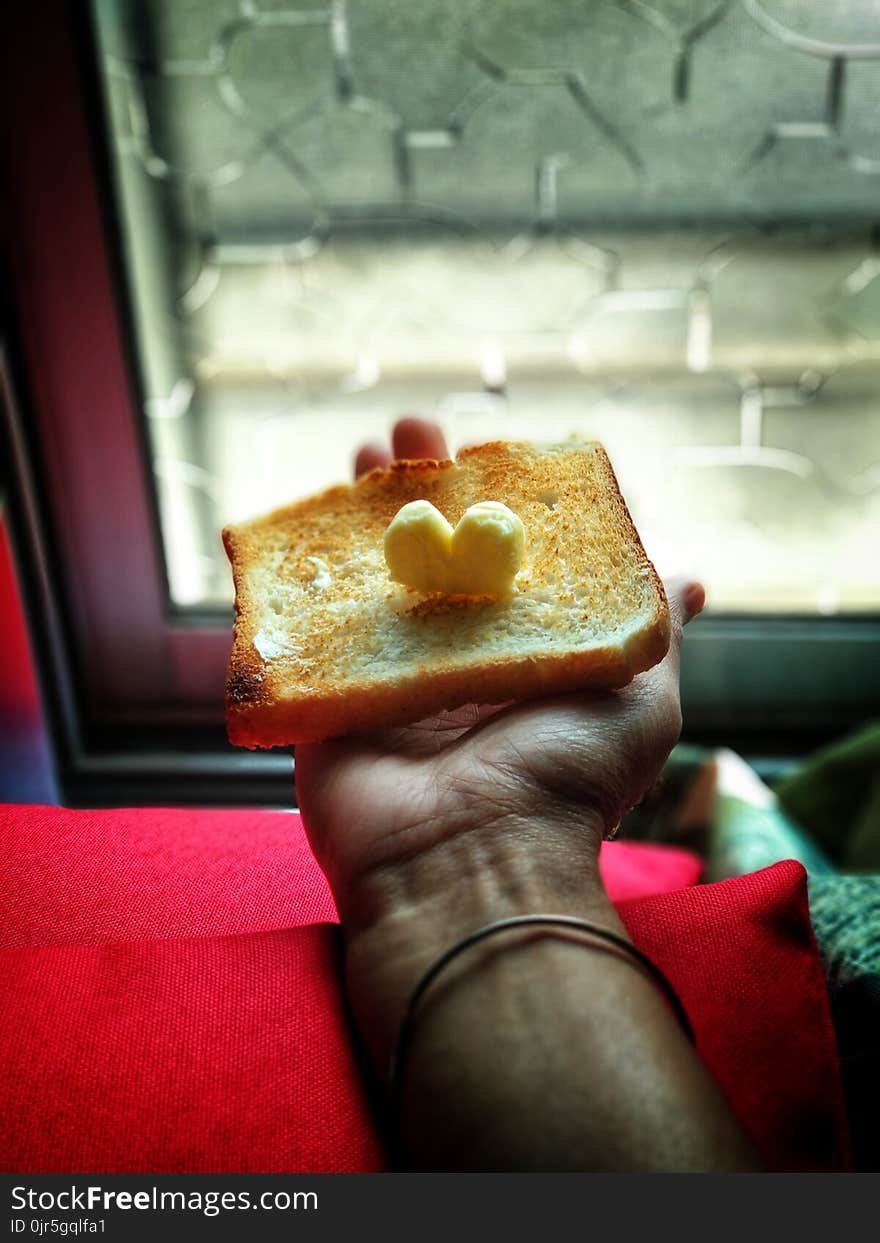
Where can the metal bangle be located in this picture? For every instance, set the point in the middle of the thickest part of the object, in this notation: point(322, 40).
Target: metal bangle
point(640, 959)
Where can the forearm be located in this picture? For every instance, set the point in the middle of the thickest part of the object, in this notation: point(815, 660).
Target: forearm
point(530, 1051)
point(559, 1056)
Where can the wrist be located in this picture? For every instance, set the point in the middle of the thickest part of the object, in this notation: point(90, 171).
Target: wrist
point(411, 912)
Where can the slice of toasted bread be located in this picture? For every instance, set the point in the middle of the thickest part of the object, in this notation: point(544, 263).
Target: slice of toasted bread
point(326, 644)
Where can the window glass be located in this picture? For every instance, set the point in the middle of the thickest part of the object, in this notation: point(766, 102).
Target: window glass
point(648, 224)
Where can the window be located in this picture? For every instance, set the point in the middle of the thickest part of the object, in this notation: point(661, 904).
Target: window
point(652, 224)
point(335, 213)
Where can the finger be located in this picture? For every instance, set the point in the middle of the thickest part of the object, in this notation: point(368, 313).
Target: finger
point(415, 438)
point(369, 456)
point(686, 598)
point(655, 695)
point(695, 600)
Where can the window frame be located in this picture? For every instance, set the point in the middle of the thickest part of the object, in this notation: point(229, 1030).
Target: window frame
point(134, 687)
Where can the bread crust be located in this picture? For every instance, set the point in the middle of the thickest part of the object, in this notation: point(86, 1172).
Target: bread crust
point(277, 699)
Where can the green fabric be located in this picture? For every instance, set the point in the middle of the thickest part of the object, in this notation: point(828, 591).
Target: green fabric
point(844, 908)
point(744, 838)
point(845, 913)
point(835, 796)
point(751, 833)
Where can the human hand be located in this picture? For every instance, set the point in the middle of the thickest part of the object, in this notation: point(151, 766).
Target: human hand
point(426, 831)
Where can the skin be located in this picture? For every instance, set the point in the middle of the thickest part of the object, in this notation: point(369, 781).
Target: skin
point(533, 1051)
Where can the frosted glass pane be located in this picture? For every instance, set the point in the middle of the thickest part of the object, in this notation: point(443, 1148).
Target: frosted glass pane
point(651, 223)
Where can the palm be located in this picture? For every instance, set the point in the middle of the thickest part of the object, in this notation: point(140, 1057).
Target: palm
point(376, 801)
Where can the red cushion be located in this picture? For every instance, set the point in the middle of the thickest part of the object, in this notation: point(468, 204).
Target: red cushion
point(174, 1002)
point(120, 875)
point(743, 959)
point(93, 876)
point(209, 1055)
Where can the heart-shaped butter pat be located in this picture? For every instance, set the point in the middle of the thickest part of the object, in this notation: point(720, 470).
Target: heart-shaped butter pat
point(480, 557)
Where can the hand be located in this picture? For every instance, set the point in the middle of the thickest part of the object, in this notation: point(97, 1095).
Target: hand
point(536, 1055)
point(478, 813)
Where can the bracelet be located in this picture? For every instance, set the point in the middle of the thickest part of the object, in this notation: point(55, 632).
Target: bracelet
point(641, 960)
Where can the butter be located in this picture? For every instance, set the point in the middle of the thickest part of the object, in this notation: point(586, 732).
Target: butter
point(487, 550)
point(418, 546)
point(480, 557)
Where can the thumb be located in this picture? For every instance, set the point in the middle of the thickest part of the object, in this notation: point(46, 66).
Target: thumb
point(687, 598)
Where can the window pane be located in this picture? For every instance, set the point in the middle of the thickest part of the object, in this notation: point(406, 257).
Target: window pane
point(647, 225)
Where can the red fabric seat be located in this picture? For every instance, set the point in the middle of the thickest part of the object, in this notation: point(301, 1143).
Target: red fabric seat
point(170, 996)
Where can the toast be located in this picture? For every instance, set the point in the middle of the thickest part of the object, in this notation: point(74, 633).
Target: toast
point(326, 644)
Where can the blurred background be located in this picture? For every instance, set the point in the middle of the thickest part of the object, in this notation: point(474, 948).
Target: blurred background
point(245, 237)
point(332, 214)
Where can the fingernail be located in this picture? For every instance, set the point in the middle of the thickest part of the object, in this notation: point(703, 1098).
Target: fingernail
point(694, 596)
